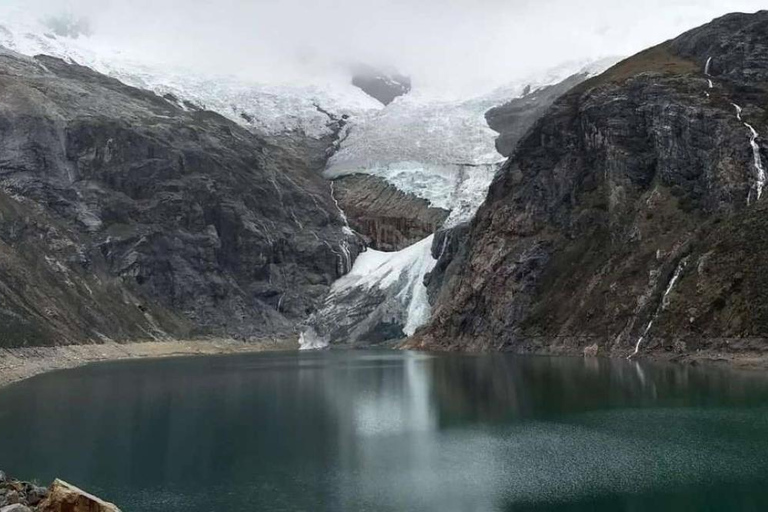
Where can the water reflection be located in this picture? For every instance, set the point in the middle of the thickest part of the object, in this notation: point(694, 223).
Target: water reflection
point(391, 431)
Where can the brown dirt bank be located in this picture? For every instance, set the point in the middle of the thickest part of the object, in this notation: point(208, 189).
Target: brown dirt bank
point(737, 353)
point(22, 363)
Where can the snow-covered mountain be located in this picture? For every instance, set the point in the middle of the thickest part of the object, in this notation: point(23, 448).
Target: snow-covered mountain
point(435, 148)
point(268, 108)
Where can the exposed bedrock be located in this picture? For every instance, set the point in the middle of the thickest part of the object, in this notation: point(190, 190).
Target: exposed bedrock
point(513, 119)
point(388, 219)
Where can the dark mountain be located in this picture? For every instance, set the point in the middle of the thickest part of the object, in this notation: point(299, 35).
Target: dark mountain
point(631, 215)
point(381, 85)
point(123, 216)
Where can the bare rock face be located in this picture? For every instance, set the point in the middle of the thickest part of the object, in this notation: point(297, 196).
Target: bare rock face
point(631, 215)
point(64, 497)
point(388, 219)
point(124, 217)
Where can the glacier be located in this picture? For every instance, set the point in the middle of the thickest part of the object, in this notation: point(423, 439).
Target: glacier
point(437, 148)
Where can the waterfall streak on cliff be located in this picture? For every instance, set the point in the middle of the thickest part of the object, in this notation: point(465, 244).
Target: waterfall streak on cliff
point(758, 159)
point(444, 247)
point(347, 230)
point(662, 306)
point(345, 264)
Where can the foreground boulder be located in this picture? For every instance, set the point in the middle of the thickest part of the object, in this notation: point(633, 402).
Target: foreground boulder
point(18, 507)
point(64, 497)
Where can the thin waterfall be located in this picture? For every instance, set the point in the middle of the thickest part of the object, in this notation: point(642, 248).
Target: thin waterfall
point(347, 230)
point(662, 306)
point(758, 159)
point(345, 264)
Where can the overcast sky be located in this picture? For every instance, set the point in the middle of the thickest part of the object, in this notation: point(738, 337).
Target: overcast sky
point(459, 44)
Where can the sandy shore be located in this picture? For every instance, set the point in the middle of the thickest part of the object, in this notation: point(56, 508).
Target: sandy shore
point(22, 363)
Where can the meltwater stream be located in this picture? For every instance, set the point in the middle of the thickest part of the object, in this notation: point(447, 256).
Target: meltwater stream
point(392, 431)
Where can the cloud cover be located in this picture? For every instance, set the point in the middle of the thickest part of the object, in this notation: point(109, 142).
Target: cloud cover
point(459, 45)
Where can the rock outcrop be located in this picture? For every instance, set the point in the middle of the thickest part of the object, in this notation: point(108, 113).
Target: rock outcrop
point(18, 496)
point(629, 218)
point(388, 219)
point(381, 85)
point(124, 216)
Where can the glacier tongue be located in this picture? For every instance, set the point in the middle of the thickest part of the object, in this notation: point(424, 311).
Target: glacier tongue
point(404, 270)
point(440, 151)
point(381, 299)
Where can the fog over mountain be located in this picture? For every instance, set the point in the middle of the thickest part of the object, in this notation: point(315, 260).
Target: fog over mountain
point(454, 45)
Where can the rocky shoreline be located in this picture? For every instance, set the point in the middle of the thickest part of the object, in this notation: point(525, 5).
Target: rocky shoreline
point(19, 496)
point(17, 364)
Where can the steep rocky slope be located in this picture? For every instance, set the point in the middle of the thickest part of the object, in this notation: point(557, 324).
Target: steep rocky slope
point(125, 216)
point(630, 218)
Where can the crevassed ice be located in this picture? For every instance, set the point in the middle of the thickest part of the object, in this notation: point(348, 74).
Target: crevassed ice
point(440, 151)
point(391, 285)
